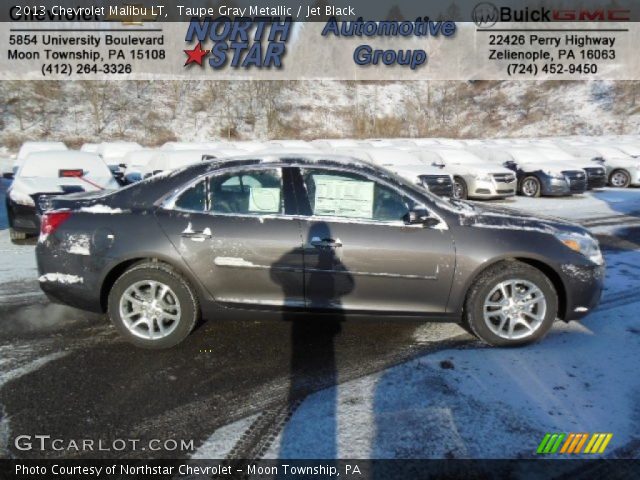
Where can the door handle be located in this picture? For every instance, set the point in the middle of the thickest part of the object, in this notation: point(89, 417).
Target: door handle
point(326, 242)
point(196, 235)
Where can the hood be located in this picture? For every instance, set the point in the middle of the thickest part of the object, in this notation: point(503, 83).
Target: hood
point(471, 168)
point(512, 219)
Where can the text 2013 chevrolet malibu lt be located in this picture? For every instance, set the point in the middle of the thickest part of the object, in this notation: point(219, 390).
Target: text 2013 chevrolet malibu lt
point(310, 232)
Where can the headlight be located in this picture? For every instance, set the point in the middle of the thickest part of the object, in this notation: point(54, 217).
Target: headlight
point(482, 177)
point(584, 244)
point(556, 175)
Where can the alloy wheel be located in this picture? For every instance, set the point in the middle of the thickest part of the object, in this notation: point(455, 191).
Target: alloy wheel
point(515, 309)
point(619, 179)
point(150, 309)
point(529, 187)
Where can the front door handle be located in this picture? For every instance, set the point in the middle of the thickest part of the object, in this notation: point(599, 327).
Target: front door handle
point(326, 242)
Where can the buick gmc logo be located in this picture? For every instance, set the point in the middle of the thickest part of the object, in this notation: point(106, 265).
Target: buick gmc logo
point(486, 15)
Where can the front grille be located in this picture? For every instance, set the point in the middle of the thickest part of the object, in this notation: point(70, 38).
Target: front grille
point(510, 191)
point(438, 184)
point(576, 179)
point(504, 177)
point(596, 177)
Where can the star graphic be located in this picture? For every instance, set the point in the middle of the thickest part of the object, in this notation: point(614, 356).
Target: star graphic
point(195, 55)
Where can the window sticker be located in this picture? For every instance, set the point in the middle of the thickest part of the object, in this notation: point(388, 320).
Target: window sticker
point(264, 200)
point(341, 197)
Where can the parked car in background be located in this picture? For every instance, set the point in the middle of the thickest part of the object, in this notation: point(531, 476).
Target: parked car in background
point(622, 169)
point(328, 144)
point(596, 174)
point(113, 154)
point(197, 145)
point(312, 233)
point(137, 164)
point(537, 176)
point(170, 160)
point(473, 177)
point(28, 148)
point(406, 165)
point(289, 144)
point(52, 173)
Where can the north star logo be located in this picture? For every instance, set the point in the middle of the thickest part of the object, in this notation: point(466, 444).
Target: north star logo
point(243, 42)
point(195, 55)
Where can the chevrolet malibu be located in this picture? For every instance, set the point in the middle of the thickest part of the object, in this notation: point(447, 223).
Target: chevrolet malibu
point(310, 232)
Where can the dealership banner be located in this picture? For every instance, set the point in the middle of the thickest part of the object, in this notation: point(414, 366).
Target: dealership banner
point(320, 40)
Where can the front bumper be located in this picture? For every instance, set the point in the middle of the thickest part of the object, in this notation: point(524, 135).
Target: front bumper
point(491, 188)
point(553, 187)
point(584, 284)
point(24, 218)
point(596, 178)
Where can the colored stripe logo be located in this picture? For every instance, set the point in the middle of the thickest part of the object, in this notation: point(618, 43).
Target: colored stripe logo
point(574, 443)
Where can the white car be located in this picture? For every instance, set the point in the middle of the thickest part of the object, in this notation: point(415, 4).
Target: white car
point(331, 143)
point(28, 148)
point(474, 177)
point(406, 165)
point(290, 144)
point(113, 154)
point(196, 145)
point(622, 168)
point(52, 173)
point(169, 160)
point(137, 164)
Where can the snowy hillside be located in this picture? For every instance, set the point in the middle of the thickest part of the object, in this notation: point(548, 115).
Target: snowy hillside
point(154, 112)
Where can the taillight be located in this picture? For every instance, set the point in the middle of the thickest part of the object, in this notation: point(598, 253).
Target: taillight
point(52, 220)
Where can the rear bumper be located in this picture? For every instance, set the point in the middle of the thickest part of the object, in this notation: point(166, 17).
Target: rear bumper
point(584, 285)
point(72, 281)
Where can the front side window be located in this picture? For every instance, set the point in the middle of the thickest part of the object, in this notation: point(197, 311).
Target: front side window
point(348, 195)
point(193, 198)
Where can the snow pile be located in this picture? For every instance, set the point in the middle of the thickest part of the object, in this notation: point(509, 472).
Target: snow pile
point(61, 278)
point(101, 209)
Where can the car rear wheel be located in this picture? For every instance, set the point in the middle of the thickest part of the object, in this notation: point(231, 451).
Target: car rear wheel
point(153, 306)
point(530, 187)
point(511, 304)
point(460, 191)
point(619, 179)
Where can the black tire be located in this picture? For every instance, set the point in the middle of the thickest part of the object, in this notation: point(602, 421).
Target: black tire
point(16, 236)
point(536, 189)
point(460, 191)
point(620, 179)
point(473, 316)
point(165, 274)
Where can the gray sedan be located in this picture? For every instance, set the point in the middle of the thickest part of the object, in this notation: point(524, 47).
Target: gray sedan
point(310, 232)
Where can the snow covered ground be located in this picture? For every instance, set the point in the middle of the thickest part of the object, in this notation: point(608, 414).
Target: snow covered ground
point(480, 402)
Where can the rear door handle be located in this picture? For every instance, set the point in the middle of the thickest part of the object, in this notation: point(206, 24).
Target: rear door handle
point(196, 235)
point(326, 242)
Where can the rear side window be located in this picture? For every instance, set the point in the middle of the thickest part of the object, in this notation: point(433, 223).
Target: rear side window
point(193, 198)
point(248, 192)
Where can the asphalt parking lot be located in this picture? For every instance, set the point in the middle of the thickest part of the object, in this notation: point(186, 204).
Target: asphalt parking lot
point(67, 374)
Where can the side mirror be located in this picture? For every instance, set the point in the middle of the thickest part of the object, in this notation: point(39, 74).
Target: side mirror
point(8, 175)
point(420, 217)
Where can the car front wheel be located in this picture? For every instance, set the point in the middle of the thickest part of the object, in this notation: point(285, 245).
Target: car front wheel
point(460, 191)
point(619, 179)
point(511, 304)
point(530, 187)
point(153, 306)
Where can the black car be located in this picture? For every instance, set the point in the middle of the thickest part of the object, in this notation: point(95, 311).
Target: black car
point(310, 232)
point(539, 179)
